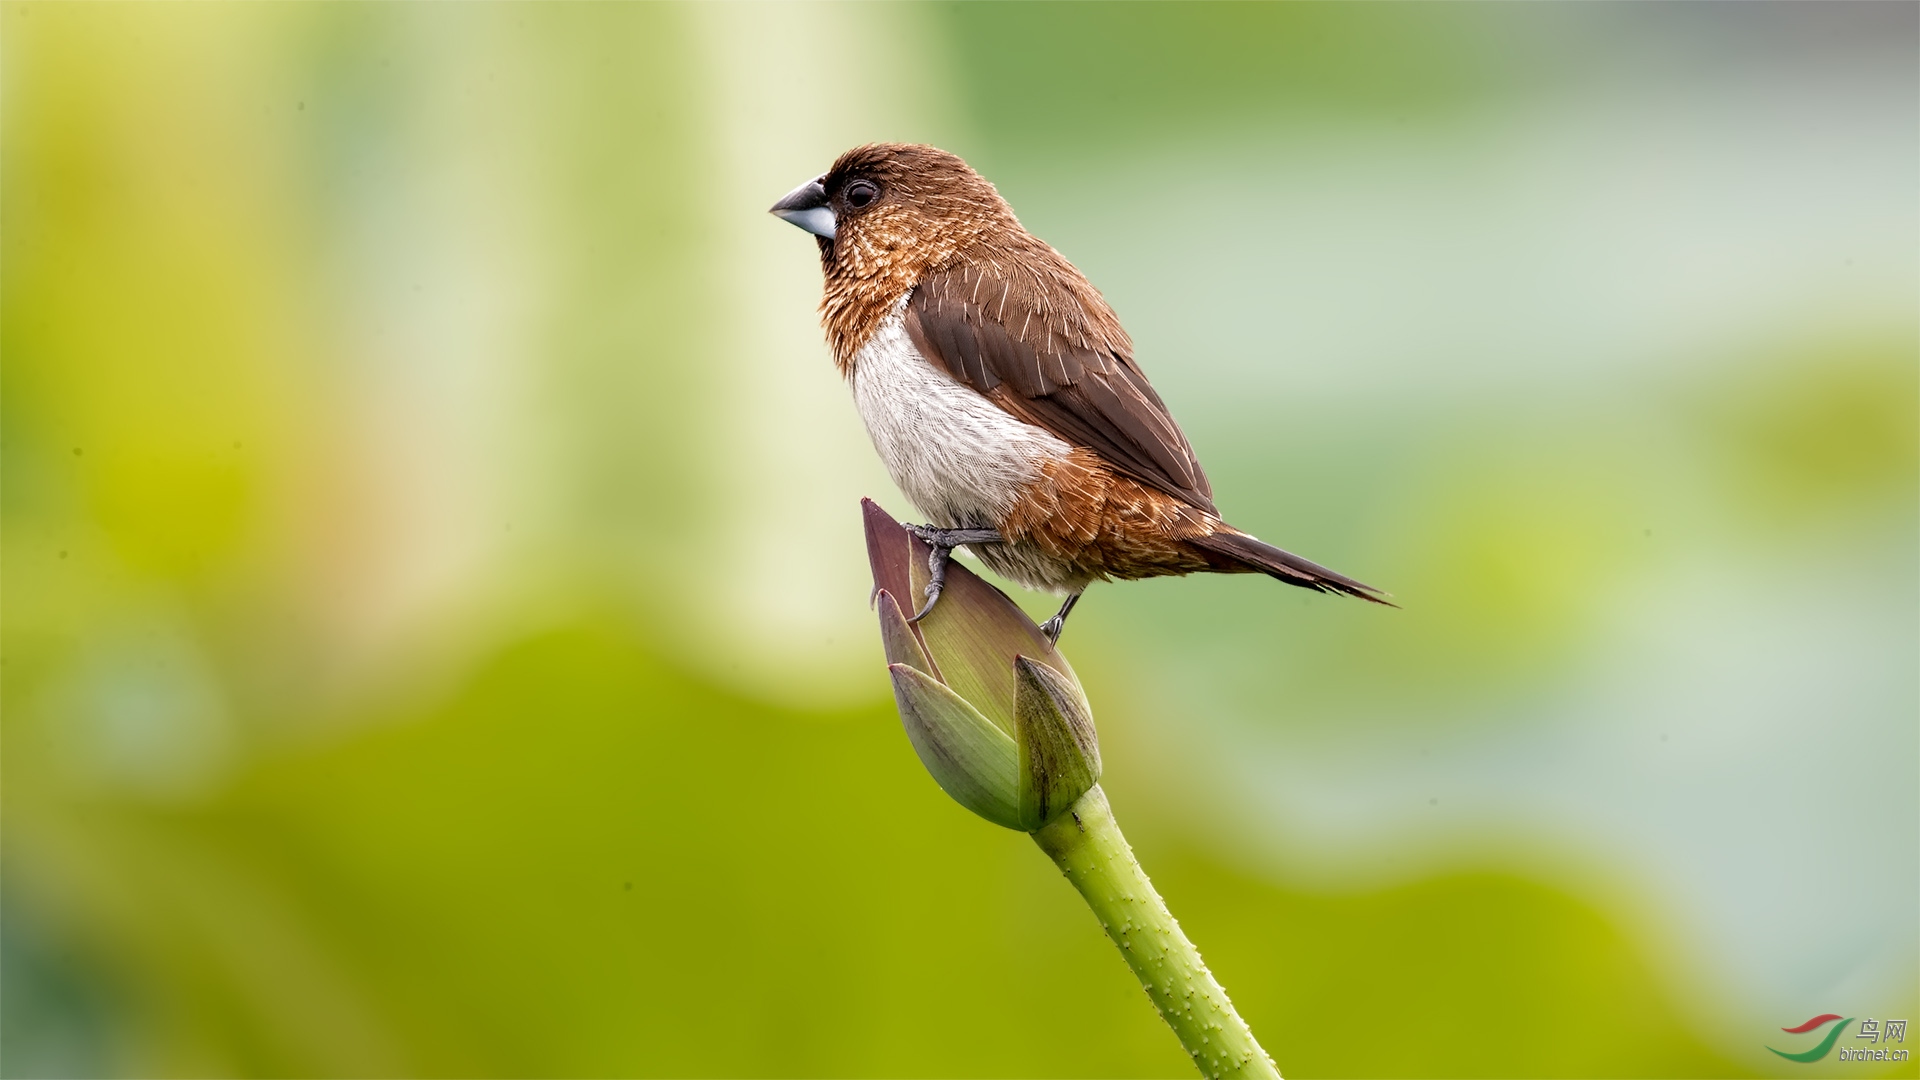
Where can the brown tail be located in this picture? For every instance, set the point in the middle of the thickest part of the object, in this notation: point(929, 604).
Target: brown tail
point(1236, 551)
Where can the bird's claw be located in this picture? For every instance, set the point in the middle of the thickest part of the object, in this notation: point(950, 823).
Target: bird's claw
point(936, 537)
point(1053, 626)
point(943, 541)
point(936, 580)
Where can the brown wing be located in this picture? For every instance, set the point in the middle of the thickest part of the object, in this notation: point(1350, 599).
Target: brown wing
point(1041, 343)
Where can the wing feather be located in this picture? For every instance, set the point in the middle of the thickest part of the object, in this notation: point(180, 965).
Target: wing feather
point(1043, 345)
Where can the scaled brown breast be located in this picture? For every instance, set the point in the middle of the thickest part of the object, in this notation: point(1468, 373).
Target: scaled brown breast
point(1024, 328)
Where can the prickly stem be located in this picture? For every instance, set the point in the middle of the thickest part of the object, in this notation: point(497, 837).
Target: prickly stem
point(1089, 849)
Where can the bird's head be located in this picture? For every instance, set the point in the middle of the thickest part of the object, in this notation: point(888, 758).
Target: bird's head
point(886, 213)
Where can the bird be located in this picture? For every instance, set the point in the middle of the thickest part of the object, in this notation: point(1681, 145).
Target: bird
point(1002, 393)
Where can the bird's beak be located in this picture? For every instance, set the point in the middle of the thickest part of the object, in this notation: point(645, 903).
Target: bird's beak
point(806, 206)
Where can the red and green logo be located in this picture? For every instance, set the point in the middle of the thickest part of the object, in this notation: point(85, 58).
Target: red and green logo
point(1826, 1044)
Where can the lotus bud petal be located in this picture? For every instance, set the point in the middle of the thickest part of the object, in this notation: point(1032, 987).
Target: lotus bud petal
point(897, 637)
point(972, 760)
point(1059, 751)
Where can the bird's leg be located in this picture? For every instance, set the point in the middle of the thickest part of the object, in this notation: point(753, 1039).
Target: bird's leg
point(1053, 626)
point(943, 541)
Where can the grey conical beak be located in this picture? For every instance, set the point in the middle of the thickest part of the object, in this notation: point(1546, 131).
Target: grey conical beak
point(806, 206)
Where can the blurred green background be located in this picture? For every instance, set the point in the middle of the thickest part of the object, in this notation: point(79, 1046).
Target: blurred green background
point(435, 627)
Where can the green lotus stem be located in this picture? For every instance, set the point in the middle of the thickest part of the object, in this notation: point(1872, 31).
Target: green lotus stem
point(1087, 845)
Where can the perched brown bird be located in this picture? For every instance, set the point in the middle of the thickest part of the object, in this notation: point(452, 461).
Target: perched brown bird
point(1002, 393)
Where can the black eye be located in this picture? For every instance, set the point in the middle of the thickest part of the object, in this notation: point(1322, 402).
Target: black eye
point(860, 193)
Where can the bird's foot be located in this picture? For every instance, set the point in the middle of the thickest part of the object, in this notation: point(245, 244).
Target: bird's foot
point(1053, 626)
point(952, 538)
point(943, 541)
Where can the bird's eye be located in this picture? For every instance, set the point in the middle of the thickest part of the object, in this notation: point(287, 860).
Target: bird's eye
point(860, 193)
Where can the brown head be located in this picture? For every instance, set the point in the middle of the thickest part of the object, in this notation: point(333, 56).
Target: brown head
point(886, 215)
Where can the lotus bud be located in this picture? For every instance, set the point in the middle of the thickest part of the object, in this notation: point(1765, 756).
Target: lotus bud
point(991, 707)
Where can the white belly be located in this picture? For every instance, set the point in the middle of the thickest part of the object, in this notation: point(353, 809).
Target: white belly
point(954, 453)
